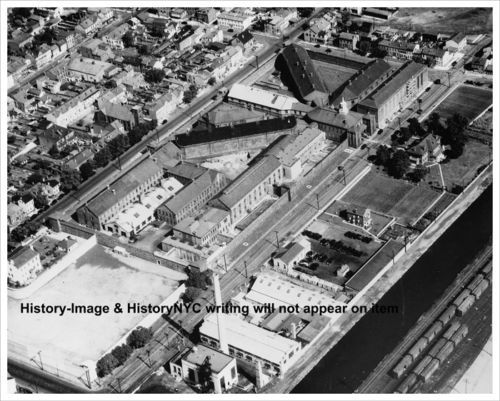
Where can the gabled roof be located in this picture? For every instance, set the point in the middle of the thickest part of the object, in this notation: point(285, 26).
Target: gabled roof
point(134, 178)
point(23, 256)
point(248, 181)
point(186, 170)
point(302, 70)
point(244, 37)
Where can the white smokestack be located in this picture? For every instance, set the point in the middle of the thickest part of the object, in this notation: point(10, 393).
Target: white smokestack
point(220, 317)
point(294, 331)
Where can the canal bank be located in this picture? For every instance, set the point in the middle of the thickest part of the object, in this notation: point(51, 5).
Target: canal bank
point(358, 352)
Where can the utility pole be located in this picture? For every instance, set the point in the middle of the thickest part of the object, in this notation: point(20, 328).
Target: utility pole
point(317, 201)
point(40, 356)
point(225, 263)
point(341, 168)
point(277, 240)
point(246, 270)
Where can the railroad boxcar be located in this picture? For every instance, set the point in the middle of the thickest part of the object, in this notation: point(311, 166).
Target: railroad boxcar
point(451, 330)
point(448, 314)
point(465, 305)
point(433, 331)
point(418, 347)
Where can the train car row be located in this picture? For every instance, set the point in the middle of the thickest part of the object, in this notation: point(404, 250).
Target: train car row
point(439, 351)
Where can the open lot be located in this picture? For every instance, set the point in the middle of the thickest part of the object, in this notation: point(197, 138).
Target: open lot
point(414, 203)
point(461, 171)
point(97, 278)
point(333, 75)
point(467, 101)
point(393, 197)
point(230, 165)
point(441, 20)
point(377, 192)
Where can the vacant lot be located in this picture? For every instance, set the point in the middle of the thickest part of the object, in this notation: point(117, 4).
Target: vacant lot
point(467, 101)
point(97, 278)
point(443, 20)
point(333, 75)
point(377, 192)
point(414, 203)
point(462, 171)
point(231, 165)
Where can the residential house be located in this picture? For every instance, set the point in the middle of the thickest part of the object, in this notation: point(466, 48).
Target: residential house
point(457, 42)
point(359, 216)
point(319, 31)
point(348, 40)
point(399, 49)
point(290, 256)
point(428, 149)
point(24, 266)
point(114, 37)
point(238, 21)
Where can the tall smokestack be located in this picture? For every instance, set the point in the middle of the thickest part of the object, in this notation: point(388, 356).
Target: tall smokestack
point(220, 318)
point(294, 331)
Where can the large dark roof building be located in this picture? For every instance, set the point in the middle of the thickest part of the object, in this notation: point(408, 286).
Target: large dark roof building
point(303, 77)
point(364, 82)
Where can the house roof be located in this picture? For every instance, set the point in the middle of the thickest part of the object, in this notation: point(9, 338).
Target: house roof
point(333, 118)
point(191, 192)
point(134, 178)
point(23, 256)
point(88, 65)
point(186, 170)
point(302, 70)
point(197, 356)
point(199, 226)
point(248, 180)
point(458, 37)
point(244, 37)
point(235, 131)
point(288, 255)
point(118, 111)
point(262, 97)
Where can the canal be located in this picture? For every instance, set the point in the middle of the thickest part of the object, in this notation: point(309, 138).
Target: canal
point(344, 368)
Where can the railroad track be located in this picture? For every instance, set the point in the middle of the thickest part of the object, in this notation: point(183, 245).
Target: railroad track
point(390, 360)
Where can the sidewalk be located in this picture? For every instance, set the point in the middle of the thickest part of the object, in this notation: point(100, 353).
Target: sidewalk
point(478, 379)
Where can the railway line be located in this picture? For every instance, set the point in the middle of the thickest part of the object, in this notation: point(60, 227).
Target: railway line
point(379, 381)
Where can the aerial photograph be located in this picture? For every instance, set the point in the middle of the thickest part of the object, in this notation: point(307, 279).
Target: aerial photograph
point(248, 201)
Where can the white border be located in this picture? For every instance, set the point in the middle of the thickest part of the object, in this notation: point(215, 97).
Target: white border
point(4, 5)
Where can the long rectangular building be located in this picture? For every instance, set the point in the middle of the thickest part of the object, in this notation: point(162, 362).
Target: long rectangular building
point(300, 70)
point(123, 192)
point(250, 188)
point(396, 93)
point(251, 343)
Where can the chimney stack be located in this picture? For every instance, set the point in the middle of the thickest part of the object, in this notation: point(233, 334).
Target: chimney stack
point(293, 331)
point(220, 317)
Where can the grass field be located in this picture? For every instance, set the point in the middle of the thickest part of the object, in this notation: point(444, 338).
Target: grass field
point(414, 203)
point(333, 75)
point(377, 192)
point(467, 101)
point(396, 198)
point(97, 278)
point(443, 20)
point(462, 171)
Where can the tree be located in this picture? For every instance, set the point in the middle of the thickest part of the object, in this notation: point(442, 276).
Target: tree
point(87, 170)
point(34, 178)
point(415, 128)
point(118, 145)
point(143, 49)
point(139, 337)
point(136, 134)
point(419, 173)
point(211, 81)
point(121, 353)
point(378, 53)
point(398, 164)
point(103, 157)
point(40, 201)
point(383, 155)
point(24, 12)
point(128, 39)
point(345, 15)
point(205, 375)
point(54, 152)
point(105, 365)
point(70, 179)
point(191, 294)
point(198, 279)
point(154, 75)
point(305, 12)
point(434, 125)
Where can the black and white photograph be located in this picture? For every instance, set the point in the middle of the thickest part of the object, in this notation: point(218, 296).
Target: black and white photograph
point(249, 200)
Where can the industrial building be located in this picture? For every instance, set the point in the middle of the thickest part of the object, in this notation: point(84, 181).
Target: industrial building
point(250, 188)
point(268, 102)
point(125, 191)
point(395, 93)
